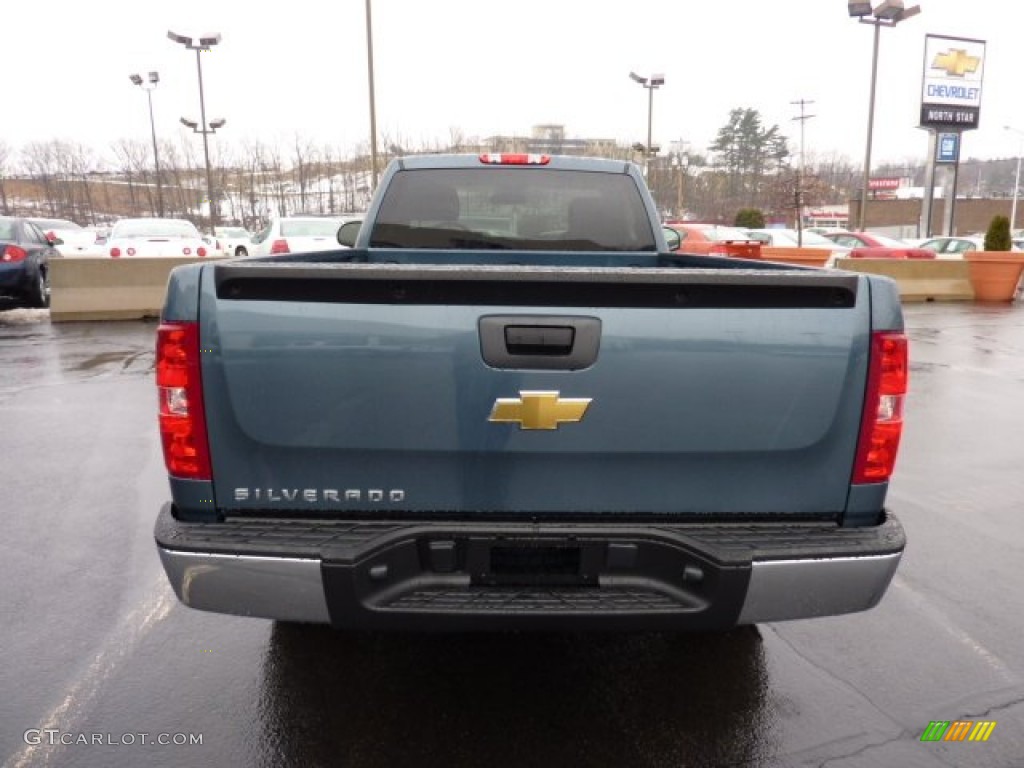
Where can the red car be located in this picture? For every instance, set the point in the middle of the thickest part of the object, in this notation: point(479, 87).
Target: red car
point(715, 240)
point(867, 245)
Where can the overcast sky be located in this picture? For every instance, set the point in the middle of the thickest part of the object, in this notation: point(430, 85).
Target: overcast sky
point(300, 67)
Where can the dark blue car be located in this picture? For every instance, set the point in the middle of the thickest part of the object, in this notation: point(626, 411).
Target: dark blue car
point(25, 262)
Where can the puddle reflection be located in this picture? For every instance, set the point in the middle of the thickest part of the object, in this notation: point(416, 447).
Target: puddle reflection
point(514, 699)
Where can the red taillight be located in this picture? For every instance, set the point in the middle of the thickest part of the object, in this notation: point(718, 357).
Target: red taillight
point(115, 253)
point(279, 246)
point(497, 158)
point(882, 422)
point(200, 252)
point(13, 253)
point(179, 384)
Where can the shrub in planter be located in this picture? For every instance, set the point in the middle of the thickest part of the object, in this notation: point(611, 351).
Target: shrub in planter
point(996, 271)
point(998, 238)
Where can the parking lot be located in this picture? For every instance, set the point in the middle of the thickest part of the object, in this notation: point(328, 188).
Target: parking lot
point(103, 667)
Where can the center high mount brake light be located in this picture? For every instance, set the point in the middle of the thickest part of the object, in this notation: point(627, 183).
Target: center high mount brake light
point(497, 158)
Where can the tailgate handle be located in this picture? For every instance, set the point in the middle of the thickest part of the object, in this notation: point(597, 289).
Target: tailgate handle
point(542, 342)
point(539, 339)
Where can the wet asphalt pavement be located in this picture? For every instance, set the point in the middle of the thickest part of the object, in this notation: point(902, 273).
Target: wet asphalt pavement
point(96, 647)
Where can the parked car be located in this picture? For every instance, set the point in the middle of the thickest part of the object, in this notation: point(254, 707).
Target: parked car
point(154, 238)
point(233, 241)
point(715, 240)
point(25, 254)
point(298, 234)
point(76, 239)
point(956, 247)
point(870, 245)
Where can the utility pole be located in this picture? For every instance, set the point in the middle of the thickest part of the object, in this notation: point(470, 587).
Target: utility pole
point(679, 153)
point(803, 118)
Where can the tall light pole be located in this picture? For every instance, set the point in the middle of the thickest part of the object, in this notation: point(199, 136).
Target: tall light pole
point(650, 83)
point(203, 46)
point(148, 85)
point(888, 14)
point(1016, 178)
point(373, 108)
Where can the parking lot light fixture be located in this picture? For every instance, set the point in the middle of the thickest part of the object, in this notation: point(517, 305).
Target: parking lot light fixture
point(650, 83)
point(888, 14)
point(205, 43)
point(148, 85)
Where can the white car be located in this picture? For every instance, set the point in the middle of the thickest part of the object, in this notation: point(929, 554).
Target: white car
point(75, 240)
point(156, 237)
point(789, 238)
point(299, 234)
point(233, 241)
point(956, 247)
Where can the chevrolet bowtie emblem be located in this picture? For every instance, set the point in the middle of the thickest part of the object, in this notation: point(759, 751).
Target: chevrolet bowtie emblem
point(956, 62)
point(539, 410)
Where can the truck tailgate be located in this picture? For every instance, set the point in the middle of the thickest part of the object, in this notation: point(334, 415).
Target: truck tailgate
point(403, 389)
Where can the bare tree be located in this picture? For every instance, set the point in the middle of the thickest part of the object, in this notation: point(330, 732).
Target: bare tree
point(131, 156)
point(221, 162)
point(5, 158)
point(172, 167)
point(192, 179)
point(73, 163)
point(302, 168)
point(39, 162)
point(254, 157)
point(274, 168)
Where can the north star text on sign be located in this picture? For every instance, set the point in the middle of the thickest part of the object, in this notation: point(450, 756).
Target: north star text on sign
point(949, 116)
point(954, 92)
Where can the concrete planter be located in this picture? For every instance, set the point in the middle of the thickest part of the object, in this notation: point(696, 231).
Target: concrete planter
point(805, 257)
point(919, 279)
point(995, 275)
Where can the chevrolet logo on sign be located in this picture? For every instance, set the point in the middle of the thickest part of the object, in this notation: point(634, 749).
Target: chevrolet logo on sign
point(956, 62)
point(539, 410)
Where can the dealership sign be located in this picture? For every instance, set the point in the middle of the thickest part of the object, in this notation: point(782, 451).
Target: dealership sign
point(951, 86)
point(876, 184)
point(947, 148)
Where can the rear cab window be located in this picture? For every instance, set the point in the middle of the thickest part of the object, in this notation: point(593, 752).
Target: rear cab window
point(529, 209)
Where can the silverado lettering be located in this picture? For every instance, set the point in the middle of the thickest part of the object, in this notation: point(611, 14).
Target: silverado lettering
point(314, 495)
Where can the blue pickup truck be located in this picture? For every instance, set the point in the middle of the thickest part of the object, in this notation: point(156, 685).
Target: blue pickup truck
point(508, 403)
